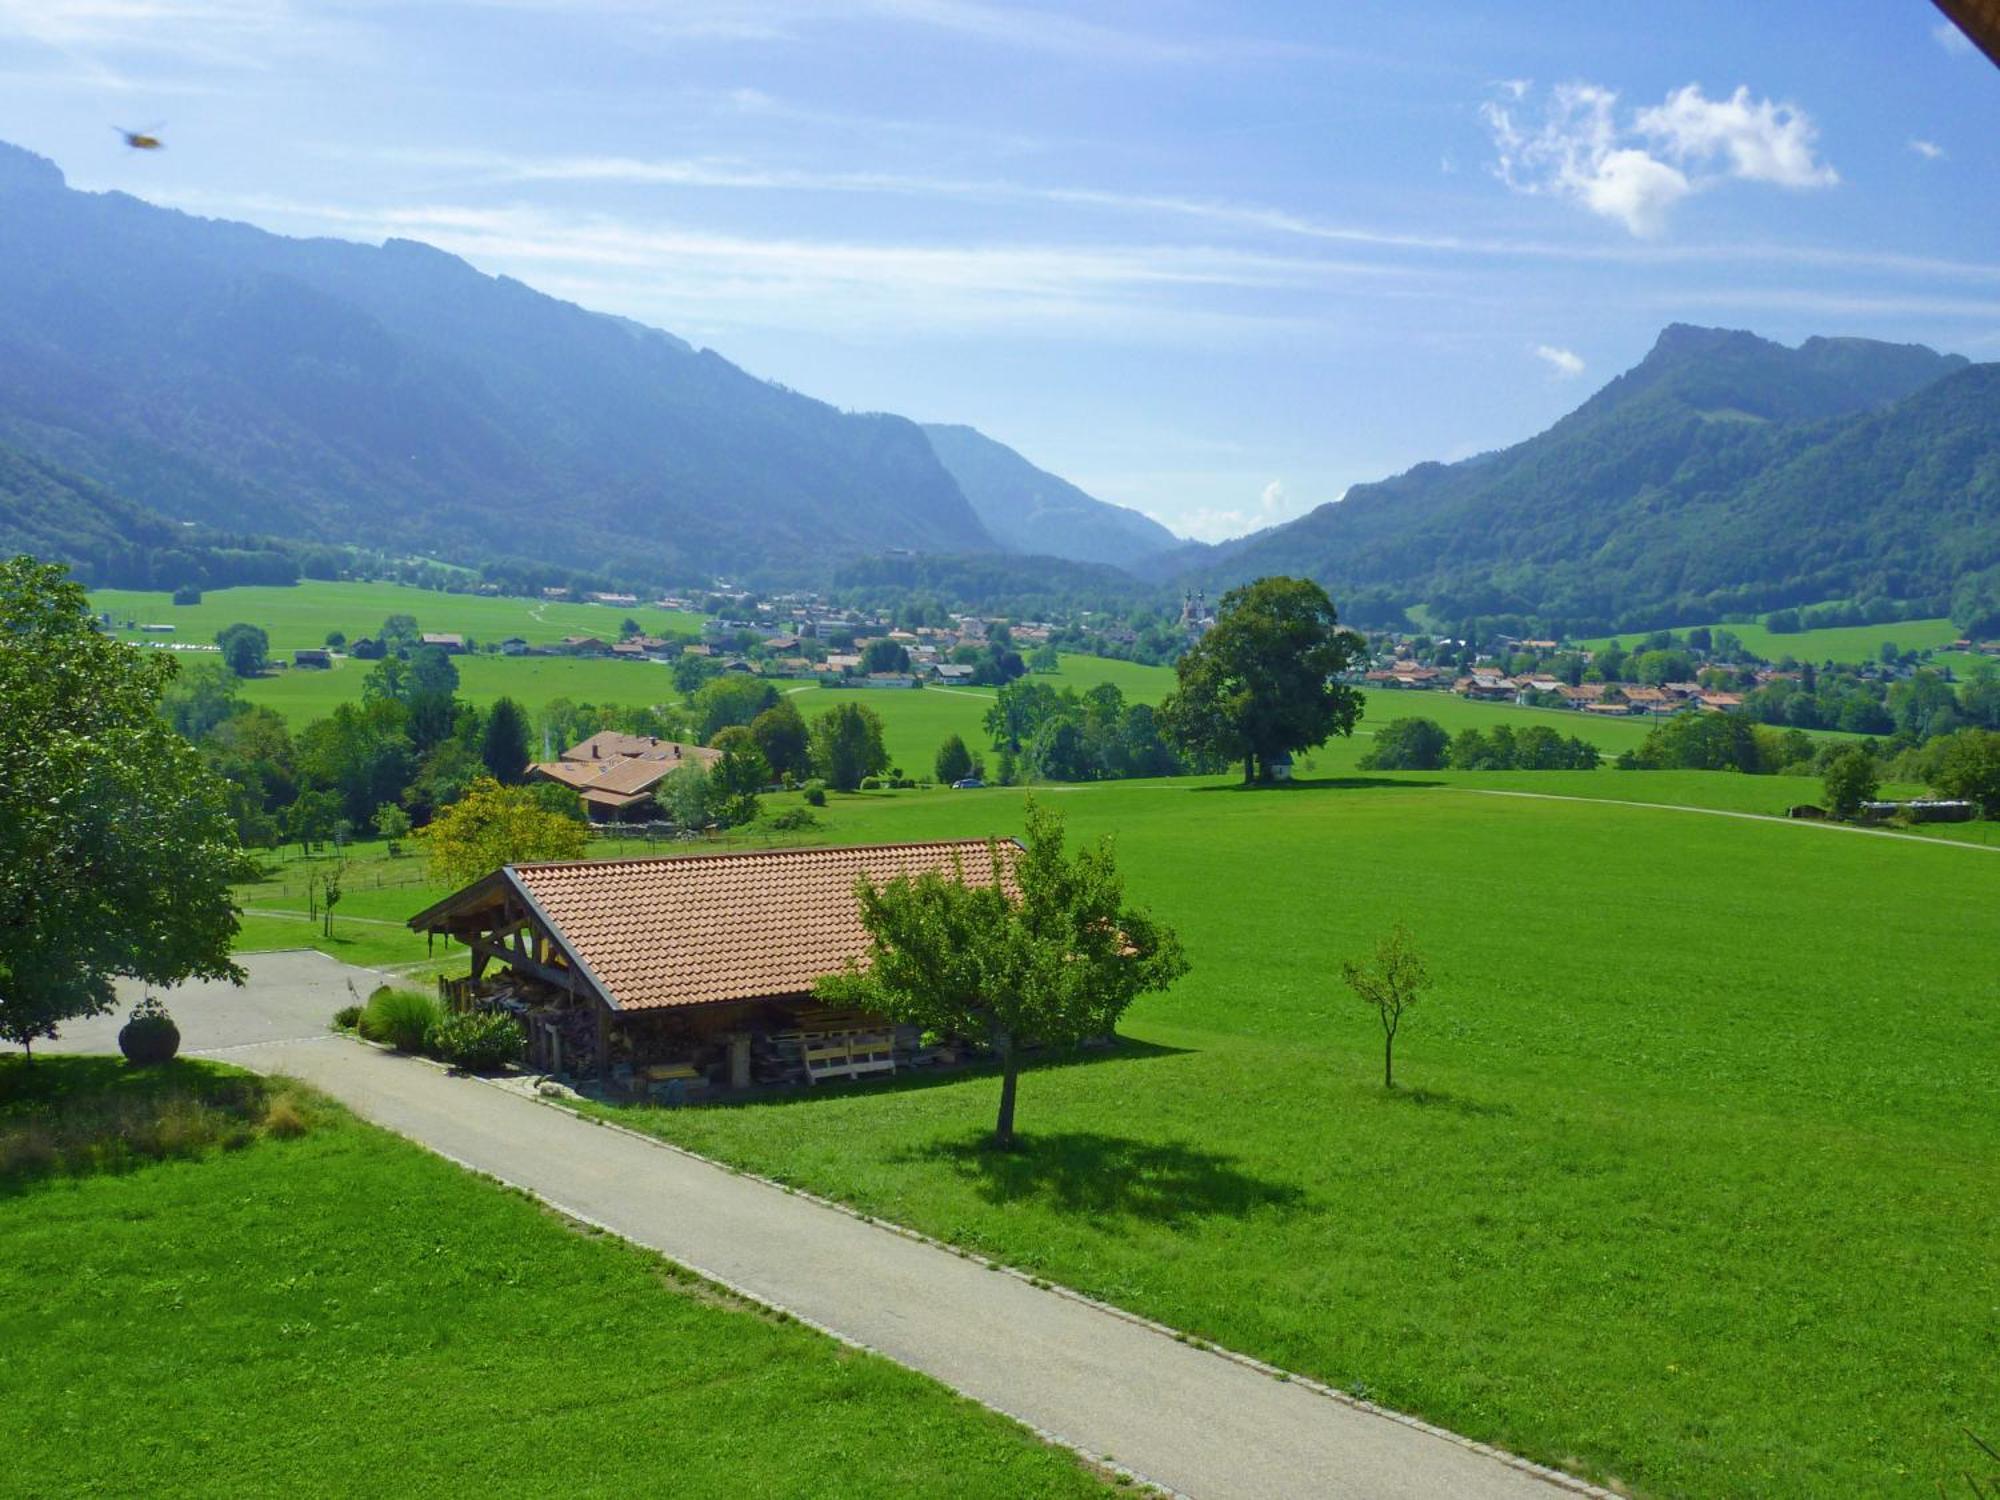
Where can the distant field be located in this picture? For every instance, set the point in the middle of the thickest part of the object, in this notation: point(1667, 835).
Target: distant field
point(302, 616)
point(1842, 643)
point(319, 1315)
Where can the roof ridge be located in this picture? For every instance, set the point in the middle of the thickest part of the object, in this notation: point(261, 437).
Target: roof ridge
point(723, 854)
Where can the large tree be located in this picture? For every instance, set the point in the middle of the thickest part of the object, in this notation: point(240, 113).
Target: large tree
point(117, 850)
point(1260, 683)
point(847, 746)
point(246, 648)
point(503, 744)
point(1056, 961)
point(780, 734)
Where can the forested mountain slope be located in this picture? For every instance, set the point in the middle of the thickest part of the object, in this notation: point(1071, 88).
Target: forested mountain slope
point(394, 396)
point(1722, 473)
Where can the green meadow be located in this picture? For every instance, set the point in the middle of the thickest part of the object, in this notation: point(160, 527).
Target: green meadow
point(325, 1306)
point(1688, 1183)
point(302, 616)
point(1839, 643)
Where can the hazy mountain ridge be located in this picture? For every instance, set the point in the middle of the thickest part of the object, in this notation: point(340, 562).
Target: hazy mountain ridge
point(1033, 511)
point(1716, 475)
point(395, 396)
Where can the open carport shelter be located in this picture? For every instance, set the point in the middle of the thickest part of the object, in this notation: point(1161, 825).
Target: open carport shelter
point(678, 975)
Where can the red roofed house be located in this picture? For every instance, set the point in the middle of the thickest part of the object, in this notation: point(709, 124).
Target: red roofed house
point(686, 973)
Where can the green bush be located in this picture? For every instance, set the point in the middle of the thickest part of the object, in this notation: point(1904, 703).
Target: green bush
point(479, 1041)
point(816, 793)
point(871, 783)
point(347, 1018)
point(791, 818)
point(401, 1018)
point(150, 1036)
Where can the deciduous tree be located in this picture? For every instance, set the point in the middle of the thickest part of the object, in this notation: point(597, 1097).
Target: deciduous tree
point(847, 746)
point(1260, 683)
point(1851, 779)
point(1056, 963)
point(954, 761)
point(1392, 983)
point(117, 851)
point(246, 648)
point(495, 825)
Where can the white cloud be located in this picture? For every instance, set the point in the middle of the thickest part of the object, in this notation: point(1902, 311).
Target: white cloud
point(1928, 150)
point(1637, 172)
point(1215, 524)
point(1567, 363)
point(1757, 139)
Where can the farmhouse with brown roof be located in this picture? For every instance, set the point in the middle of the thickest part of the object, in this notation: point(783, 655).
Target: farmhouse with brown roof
point(615, 774)
point(691, 972)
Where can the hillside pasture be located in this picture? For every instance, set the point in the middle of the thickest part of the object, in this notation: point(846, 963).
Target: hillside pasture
point(1853, 644)
point(302, 615)
point(1688, 1182)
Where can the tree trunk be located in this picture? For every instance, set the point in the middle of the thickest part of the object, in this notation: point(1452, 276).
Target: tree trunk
point(1389, 1060)
point(1010, 1075)
point(1249, 768)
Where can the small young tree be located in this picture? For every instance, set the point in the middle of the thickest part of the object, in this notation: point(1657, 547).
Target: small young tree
point(1392, 983)
point(329, 890)
point(1850, 781)
point(393, 824)
point(954, 761)
point(1056, 964)
point(847, 746)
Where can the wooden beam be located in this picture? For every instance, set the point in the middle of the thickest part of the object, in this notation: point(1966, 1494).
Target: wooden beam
point(513, 960)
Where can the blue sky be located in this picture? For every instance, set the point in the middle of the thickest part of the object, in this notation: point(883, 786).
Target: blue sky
point(1217, 262)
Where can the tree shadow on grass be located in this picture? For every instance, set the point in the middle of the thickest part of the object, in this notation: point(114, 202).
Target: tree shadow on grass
point(1321, 784)
point(1109, 1177)
point(915, 1080)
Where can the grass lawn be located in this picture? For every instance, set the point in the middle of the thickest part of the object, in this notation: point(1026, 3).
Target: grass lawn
point(314, 1315)
point(1690, 1181)
point(302, 615)
point(1838, 643)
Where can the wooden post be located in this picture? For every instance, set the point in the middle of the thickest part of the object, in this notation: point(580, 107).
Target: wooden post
point(739, 1060)
point(603, 1044)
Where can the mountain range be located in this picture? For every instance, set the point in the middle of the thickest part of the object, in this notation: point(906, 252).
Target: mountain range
point(172, 385)
point(1723, 473)
point(199, 371)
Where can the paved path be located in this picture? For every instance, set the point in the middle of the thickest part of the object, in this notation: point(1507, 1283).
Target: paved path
point(1726, 812)
point(1192, 1421)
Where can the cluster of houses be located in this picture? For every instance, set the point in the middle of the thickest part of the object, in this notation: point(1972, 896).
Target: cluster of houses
point(1543, 689)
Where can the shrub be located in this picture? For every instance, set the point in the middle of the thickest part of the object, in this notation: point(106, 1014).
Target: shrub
point(816, 793)
point(347, 1018)
point(871, 783)
point(790, 818)
point(150, 1036)
point(401, 1018)
point(478, 1041)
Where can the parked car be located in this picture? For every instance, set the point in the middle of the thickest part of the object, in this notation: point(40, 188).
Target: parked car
point(967, 784)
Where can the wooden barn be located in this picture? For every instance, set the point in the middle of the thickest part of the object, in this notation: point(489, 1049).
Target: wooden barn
point(681, 975)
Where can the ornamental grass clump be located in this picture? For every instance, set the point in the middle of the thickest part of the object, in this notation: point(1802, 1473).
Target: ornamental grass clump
point(399, 1018)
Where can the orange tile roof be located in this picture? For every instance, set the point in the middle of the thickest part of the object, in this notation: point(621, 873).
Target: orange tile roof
point(699, 929)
